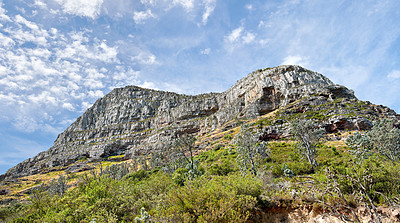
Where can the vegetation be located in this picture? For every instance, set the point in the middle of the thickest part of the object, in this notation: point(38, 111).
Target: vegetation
point(383, 138)
point(250, 152)
point(308, 135)
point(229, 182)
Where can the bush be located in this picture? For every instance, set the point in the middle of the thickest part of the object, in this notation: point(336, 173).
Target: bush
point(221, 199)
point(137, 176)
point(221, 170)
point(117, 171)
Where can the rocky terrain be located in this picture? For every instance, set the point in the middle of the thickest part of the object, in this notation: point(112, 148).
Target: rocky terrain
point(133, 121)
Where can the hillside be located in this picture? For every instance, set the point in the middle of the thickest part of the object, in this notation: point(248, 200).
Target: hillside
point(133, 121)
point(135, 129)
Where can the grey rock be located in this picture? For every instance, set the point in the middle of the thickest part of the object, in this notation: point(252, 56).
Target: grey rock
point(134, 121)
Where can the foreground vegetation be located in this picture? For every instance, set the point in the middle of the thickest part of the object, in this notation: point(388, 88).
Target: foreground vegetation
point(233, 182)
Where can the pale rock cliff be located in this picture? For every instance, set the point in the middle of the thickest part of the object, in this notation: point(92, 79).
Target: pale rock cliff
point(135, 121)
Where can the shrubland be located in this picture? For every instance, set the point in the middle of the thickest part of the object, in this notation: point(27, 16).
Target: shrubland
point(234, 181)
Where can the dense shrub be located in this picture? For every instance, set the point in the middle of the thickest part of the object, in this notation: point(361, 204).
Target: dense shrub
point(221, 169)
point(220, 199)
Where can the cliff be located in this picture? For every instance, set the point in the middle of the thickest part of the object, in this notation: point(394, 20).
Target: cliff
point(133, 121)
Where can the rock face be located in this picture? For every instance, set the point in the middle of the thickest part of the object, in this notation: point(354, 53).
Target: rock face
point(135, 121)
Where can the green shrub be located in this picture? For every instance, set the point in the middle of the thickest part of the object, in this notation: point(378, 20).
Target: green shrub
point(137, 176)
point(221, 199)
point(223, 169)
point(179, 176)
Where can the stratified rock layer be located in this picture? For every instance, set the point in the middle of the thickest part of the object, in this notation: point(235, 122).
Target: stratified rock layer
point(135, 121)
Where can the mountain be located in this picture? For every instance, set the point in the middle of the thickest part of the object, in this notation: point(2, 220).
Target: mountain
point(134, 121)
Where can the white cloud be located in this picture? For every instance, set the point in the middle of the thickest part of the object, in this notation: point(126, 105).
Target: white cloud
point(394, 74)
point(3, 16)
point(139, 17)
point(87, 8)
point(249, 7)
point(45, 97)
point(294, 60)
point(209, 8)
point(96, 94)
point(206, 51)
point(68, 106)
point(31, 25)
point(238, 38)
point(145, 58)
point(235, 35)
point(6, 42)
point(149, 85)
point(40, 4)
point(85, 105)
point(186, 4)
point(48, 70)
point(248, 38)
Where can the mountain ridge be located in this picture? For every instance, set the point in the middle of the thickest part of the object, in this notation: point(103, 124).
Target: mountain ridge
point(133, 121)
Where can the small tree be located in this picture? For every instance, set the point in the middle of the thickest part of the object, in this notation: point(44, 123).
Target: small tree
point(249, 151)
point(383, 138)
point(386, 139)
point(58, 187)
point(116, 171)
point(183, 149)
point(360, 145)
point(308, 135)
point(185, 145)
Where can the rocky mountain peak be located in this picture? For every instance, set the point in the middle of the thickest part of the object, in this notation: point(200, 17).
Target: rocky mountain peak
point(135, 121)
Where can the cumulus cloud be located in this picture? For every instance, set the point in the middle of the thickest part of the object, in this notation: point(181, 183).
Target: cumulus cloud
point(140, 16)
point(3, 16)
point(47, 70)
point(85, 8)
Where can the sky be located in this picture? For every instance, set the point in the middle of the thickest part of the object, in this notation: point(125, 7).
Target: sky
point(57, 57)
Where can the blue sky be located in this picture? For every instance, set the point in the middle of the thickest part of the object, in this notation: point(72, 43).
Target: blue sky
point(57, 57)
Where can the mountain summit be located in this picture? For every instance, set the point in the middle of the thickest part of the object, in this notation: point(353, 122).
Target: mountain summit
point(134, 121)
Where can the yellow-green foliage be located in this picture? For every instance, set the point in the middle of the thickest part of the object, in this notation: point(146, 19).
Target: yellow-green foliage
point(220, 199)
point(221, 194)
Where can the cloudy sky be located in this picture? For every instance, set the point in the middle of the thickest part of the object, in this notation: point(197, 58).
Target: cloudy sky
point(57, 57)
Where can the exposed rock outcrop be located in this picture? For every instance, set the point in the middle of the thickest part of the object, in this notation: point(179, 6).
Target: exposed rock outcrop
point(134, 121)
